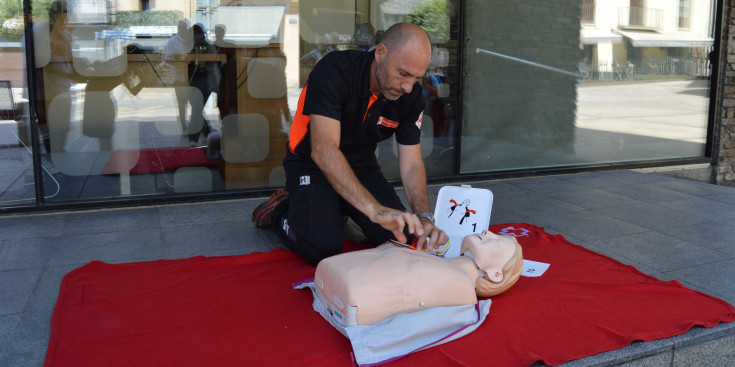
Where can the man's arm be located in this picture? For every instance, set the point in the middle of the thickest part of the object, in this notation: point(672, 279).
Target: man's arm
point(413, 176)
point(325, 135)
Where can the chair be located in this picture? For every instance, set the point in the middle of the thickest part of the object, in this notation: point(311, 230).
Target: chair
point(9, 110)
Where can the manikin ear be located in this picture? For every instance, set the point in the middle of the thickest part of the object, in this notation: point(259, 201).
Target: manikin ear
point(494, 275)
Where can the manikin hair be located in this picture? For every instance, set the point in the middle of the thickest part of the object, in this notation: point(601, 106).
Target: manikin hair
point(511, 272)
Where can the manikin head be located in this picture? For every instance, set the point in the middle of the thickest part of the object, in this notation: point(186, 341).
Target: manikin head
point(499, 260)
point(401, 58)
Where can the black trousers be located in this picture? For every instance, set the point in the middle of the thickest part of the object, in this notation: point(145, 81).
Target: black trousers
point(312, 225)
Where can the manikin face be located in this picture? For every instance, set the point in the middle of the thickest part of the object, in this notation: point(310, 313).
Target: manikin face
point(398, 70)
point(490, 252)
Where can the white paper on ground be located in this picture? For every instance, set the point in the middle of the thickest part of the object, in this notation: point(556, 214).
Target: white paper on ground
point(533, 268)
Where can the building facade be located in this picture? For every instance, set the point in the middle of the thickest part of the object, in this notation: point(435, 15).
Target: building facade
point(113, 102)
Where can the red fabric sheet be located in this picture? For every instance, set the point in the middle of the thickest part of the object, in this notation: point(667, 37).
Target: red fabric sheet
point(241, 310)
point(162, 160)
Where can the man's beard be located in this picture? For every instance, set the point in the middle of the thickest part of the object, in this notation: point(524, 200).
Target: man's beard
point(381, 78)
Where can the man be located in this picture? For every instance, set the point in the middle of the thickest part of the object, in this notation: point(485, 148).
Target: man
point(353, 100)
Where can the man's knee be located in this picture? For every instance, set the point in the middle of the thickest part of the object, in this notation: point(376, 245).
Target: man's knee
point(314, 252)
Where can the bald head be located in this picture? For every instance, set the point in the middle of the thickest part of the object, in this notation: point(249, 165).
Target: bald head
point(402, 35)
point(401, 58)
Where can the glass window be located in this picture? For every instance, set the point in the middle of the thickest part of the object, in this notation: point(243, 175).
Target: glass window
point(554, 96)
point(16, 161)
point(138, 98)
point(684, 17)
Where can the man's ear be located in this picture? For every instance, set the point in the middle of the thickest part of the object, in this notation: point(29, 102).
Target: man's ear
point(380, 52)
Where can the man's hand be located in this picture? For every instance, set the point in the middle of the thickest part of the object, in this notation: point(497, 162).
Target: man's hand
point(395, 220)
point(435, 236)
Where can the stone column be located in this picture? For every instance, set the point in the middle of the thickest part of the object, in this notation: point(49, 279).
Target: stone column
point(725, 136)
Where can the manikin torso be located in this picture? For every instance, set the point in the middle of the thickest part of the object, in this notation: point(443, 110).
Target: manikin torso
point(366, 287)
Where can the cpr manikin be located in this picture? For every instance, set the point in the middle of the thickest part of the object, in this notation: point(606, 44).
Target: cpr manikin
point(366, 287)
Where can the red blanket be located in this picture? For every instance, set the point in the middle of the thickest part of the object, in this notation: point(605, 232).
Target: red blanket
point(162, 160)
point(241, 310)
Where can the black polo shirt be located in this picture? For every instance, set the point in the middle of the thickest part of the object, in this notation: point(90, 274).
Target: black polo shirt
point(339, 88)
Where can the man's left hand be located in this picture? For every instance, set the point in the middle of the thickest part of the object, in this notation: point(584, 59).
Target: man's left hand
point(433, 237)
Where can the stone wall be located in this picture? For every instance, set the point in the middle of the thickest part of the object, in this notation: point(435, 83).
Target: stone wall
point(725, 149)
point(725, 170)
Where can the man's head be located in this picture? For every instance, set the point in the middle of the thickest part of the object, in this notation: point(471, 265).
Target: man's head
point(219, 32)
point(401, 57)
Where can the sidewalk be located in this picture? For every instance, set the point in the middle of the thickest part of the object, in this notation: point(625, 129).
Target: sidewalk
point(666, 227)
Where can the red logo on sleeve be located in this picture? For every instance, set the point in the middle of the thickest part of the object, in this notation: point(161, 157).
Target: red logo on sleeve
point(388, 123)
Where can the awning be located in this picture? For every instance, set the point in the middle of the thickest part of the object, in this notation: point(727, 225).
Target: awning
point(593, 36)
point(665, 39)
point(251, 26)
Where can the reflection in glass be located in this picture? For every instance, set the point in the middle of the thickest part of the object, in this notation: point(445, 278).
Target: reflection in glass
point(522, 116)
point(136, 98)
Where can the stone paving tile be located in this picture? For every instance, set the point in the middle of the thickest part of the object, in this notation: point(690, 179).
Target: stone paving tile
point(728, 198)
point(653, 216)
point(126, 246)
point(593, 198)
point(31, 226)
point(220, 239)
point(633, 177)
point(649, 193)
point(655, 352)
point(702, 207)
point(719, 352)
point(588, 225)
point(716, 277)
point(544, 184)
point(26, 253)
point(17, 287)
point(695, 188)
point(539, 204)
point(27, 347)
point(717, 235)
point(659, 251)
point(598, 180)
point(47, 289)
point(215, 212)
point(502, 188)
point(111, 221)
point(8, 324)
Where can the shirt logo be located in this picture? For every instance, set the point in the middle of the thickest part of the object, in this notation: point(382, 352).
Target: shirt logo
point(388, 123)
point(418, 122)
point(304, 180)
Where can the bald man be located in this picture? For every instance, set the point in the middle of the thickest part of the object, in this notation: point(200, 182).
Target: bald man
point(353, 100)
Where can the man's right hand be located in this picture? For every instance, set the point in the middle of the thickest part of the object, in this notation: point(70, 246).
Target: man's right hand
point(396, 220)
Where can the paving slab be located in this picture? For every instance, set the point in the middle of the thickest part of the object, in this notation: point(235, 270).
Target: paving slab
point(658, 251)
point(216, 212)
point(17, 287)
point(27, 347)
point(717, 277)
point(21, 227)
point(653, 216)
point(137, 245)
point(26, 253)
point(219, 239)
point(101, 221)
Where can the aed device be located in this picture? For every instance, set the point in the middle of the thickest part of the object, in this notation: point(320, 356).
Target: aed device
point(459, 211)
